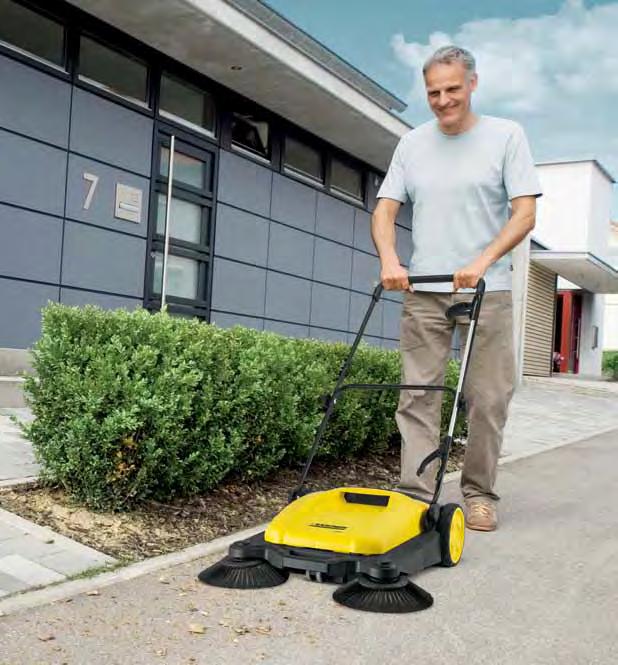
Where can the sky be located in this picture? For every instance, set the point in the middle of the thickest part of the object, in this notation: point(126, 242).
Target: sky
point(551, 65)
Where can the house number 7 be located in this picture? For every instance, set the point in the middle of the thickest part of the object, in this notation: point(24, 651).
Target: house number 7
point(93, 180)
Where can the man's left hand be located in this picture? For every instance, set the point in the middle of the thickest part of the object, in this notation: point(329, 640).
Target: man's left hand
point(468, 277)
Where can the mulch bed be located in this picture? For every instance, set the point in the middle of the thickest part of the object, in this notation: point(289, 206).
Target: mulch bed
point(156, 528)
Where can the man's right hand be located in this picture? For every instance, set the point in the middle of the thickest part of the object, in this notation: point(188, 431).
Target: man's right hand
point(394, 278)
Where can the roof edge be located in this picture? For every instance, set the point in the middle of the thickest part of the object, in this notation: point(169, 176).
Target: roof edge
point(606, 172)
point(276, 23)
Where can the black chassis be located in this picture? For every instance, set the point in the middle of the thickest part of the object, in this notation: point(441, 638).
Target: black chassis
point(412, 556)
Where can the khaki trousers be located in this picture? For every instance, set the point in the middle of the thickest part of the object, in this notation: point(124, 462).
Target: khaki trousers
point(425, 341)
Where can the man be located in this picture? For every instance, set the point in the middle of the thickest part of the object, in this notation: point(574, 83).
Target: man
point(473, 187)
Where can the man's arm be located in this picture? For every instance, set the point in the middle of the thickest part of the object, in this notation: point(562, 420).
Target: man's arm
point(523, 216)
point(392, 276)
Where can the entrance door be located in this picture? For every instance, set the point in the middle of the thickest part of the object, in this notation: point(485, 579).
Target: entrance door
point(576, 331)
point(190, 248)
point(568, 335)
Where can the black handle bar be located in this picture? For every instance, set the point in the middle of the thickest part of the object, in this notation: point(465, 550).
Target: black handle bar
point(430, 279)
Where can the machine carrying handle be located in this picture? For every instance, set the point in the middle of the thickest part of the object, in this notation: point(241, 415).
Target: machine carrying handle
point(430, 279)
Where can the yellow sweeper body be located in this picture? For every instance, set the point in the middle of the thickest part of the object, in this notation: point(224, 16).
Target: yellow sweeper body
point(350, 520)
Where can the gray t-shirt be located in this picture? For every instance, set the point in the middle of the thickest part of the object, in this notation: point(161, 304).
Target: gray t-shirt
point(460, 187)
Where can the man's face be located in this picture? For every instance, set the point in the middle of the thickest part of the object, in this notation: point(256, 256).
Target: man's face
point(449, 89)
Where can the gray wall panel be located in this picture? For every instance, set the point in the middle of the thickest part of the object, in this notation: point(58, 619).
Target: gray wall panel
point(287, 298)
point(241, 235)
point(81, 298)
point(102, 204)
point(238, 288)
point(30, 245)
point(329, 307)
point(103, 260)
point(365, 272)
point(21, 312)
point(244, 184)
point(392, 316)
point(333, 263)
point(34, 103)
point(293, 203)
point(32, 174)
point(229, 320)
point(110, 132)
point(335, 219)
point(326, 335)
point(359, 304)
point(290, 250)
point(288, 329)
point(362, 231)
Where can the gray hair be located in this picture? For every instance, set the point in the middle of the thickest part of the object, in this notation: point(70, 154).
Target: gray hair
point(446, 55)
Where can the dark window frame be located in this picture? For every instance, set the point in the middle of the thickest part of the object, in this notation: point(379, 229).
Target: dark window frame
point(202, 252)
point(354, 164)
point(99, 85)
point(304, 137)
point(167, 116)
point(22, 55)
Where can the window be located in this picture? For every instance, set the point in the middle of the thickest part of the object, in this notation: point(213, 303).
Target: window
point(302, 159)
point(190, 251)
point(346, 179)
point(187, 104)
point(112, 70)
point(187, 169)
point(182, 276)
point(31, 32)
point(251, 133)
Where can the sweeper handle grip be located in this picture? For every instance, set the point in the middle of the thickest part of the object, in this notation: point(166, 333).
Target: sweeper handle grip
point(430, 279)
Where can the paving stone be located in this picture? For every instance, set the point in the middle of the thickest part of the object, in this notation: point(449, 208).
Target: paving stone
point(9, 532)
point(68, 563)
point(32, 573)
point(10, 584)
point(30, 546)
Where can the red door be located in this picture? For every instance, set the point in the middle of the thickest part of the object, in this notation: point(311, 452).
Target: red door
point(576, 332)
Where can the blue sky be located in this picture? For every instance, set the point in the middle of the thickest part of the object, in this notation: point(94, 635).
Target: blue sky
point(552, 65)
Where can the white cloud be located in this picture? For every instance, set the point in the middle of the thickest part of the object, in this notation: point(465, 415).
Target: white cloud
point(528, 65)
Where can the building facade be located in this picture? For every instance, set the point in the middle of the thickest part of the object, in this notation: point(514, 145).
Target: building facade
point(270, 204)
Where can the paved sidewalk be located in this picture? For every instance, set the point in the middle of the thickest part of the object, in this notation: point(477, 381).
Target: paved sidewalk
point(30, 555)
point(546, 413)
point(542, 590)
point(17, 463)
point(33, 556)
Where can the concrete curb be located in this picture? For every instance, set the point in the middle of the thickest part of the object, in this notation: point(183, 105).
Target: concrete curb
point(14, 483)
point(64, 590)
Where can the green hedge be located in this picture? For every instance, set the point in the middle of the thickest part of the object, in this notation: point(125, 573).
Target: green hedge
point(131, 405)
point(610, 364)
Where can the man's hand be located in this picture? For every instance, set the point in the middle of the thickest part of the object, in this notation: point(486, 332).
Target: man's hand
point(394, 277)
point(468, 277)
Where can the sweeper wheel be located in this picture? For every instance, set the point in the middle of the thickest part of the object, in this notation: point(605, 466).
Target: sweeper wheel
point(452, 529)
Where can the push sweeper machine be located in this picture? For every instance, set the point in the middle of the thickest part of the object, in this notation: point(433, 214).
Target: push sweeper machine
point(369, 541)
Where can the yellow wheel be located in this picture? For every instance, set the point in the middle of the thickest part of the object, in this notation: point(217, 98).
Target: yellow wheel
point(452, 529)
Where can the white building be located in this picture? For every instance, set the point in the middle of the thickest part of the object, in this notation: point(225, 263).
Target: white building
point(561, 279)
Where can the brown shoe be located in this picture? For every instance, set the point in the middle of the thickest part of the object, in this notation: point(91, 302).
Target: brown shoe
point(481, 515)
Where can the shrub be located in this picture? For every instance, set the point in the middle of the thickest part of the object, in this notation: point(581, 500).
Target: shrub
point(610, 364)
point(132, 405)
